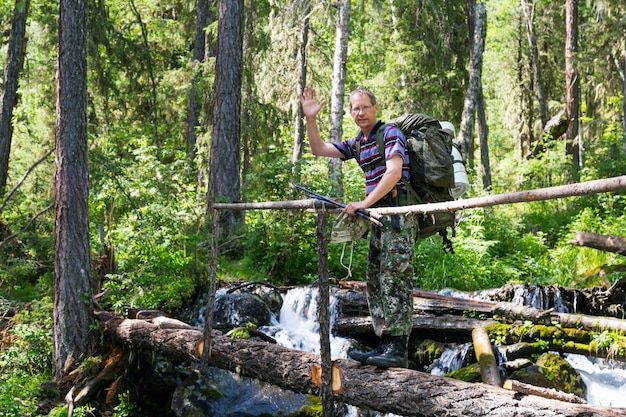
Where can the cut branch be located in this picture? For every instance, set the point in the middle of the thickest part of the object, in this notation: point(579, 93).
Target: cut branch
point(607, 243)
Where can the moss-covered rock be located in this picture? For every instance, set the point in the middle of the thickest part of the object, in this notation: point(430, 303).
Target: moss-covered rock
point(470, 373)
point(552, 371)
point(426, 353)
point(563, 375)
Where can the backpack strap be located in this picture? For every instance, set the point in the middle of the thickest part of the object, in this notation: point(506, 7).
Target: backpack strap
point(380, 145)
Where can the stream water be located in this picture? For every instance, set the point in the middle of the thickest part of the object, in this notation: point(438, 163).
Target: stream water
point(298, 328)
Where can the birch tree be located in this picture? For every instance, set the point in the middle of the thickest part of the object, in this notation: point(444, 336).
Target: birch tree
point(475, 85)
point(572, 86)
point(338, 89)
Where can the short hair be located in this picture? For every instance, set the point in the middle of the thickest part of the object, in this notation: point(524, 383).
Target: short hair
point(365, 91)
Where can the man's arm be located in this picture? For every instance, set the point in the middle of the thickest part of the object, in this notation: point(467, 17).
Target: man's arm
point(311, 108)
point(388, 181)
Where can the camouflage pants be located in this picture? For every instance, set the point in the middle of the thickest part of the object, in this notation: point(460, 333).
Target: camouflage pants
point(390, 277)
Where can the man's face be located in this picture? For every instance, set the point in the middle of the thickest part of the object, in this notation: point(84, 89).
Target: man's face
point(363, 112)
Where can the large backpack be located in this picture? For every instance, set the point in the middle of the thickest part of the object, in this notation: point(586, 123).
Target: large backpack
point(431, 169)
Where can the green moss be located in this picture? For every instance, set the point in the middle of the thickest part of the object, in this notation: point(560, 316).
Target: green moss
point(240, 333)
point(313, 410)
point(427, 352)
point(470, 373)
point(562, 375)
point(500, 333)
point(212, 393)
point(58, 412)
point(91, 365)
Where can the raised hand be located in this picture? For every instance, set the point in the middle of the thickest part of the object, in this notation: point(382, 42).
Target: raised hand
point(310, 105)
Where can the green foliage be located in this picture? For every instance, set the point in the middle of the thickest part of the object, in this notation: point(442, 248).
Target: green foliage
point(125, 407)
point(25, 359)
point(152, 221)
point(149, 198)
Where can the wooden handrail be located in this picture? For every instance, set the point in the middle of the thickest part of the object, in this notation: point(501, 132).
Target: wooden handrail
point(605, 185)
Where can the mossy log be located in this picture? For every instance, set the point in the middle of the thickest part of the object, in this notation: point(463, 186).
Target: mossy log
point(559, 339)
point(425, 302)
point(400, 391)
point(485, 357)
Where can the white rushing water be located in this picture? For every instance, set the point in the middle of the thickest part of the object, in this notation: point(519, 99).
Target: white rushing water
point(298, 328)
point(605, 379)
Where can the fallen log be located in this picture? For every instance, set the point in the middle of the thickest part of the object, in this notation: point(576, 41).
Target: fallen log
point(446, 324)
point(431, 303)
point(446, 327)
point(607, 243)
point(400, 391)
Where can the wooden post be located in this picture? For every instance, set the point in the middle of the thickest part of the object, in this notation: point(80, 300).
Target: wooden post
point(485, 357)
point(210, 305)
point(328, 406)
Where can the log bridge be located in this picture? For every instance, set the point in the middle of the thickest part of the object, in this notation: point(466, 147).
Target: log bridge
point(396, 390)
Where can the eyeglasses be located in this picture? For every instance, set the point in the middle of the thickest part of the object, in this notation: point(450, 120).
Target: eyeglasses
point(363, 109)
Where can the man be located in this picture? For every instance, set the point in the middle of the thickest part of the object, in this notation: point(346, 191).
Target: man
point(390, 262)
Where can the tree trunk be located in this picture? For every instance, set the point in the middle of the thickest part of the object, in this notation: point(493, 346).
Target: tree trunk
point(298, 140)
point(486, 359)
point(339, 83)
point(8, 100)
point(73, 287)
point(483, 129)
point(225, 184)
point(199, 56)
point(526, 135)
point(466, 139)
point(326, 382)
point(151, 74)
point(572, 86)
point(624, 95)
point(424, 324)
point(528, 7)
point(570, 190)
point(400, 391)
point(523, 388)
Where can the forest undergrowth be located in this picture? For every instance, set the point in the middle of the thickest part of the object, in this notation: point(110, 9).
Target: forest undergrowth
point(162, 258)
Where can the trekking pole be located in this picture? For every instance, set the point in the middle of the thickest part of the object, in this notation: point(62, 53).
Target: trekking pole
point(360, 212)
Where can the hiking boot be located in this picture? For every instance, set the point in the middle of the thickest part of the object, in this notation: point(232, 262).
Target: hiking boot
point(362, 356)
point(394, 355)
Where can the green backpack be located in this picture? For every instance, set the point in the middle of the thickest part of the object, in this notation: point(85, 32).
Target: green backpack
point(431, 169)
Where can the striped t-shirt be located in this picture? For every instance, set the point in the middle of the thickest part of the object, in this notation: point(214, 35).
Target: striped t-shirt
point(369, 160)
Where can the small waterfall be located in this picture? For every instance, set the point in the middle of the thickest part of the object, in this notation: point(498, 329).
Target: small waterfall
point(298, 327)
point(452, 359)
point(541, 297)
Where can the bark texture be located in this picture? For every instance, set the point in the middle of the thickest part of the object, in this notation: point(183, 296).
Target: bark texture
point(605, 243)
point(225, 183)
point(73, 288)
point(400, 391)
